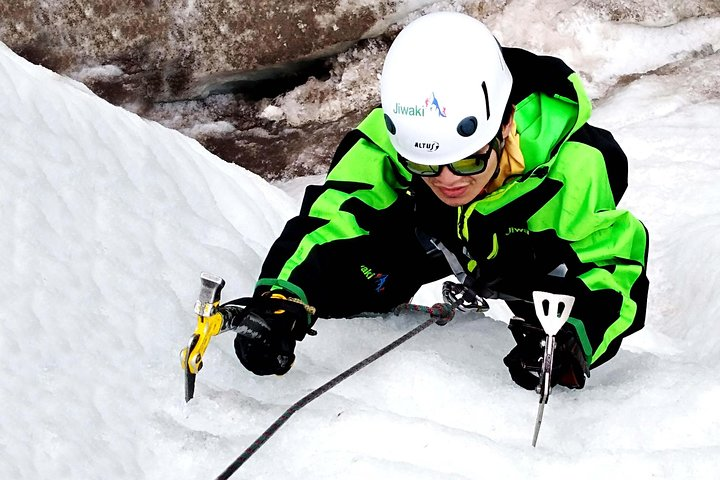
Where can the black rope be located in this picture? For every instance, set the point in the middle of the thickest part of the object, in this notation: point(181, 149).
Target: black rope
point(440, 313)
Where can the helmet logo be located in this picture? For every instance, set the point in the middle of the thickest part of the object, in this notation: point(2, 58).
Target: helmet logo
point(409, 110)
point(430, 147)
point(431, 104)
point(435, 106)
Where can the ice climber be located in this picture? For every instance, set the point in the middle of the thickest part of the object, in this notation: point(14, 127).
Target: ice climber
point(480, 162)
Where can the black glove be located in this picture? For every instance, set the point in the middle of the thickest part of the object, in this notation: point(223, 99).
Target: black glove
point(267, 329)
point(524, 360)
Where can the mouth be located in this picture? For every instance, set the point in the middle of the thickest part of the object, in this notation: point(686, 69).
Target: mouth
point(453, 192)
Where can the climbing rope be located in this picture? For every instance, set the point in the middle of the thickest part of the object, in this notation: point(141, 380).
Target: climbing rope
point(440, 313)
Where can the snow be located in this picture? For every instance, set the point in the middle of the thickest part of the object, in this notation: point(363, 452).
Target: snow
point(108, 219)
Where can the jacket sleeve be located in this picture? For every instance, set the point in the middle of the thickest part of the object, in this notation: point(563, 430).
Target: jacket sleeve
point(363, 183)
point(564, 212)
point(605, 250)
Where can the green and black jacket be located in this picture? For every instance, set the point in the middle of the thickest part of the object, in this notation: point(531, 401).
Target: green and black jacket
point(354, 246)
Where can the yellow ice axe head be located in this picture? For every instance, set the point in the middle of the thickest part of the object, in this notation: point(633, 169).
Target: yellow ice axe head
point(209, 324)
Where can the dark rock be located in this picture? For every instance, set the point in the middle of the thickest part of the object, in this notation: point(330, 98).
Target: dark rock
point(269, 84)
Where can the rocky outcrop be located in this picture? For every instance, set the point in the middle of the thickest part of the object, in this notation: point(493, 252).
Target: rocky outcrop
point(169, 50)
point(657, 13)
point(206, 67)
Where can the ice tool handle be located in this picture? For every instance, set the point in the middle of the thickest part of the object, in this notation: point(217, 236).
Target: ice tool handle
point(209, 324)
point(552, 310)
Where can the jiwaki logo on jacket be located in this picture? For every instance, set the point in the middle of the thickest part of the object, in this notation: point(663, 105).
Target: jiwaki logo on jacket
point(378, 279)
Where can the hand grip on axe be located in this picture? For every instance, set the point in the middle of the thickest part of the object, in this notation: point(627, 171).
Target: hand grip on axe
point(552, 310)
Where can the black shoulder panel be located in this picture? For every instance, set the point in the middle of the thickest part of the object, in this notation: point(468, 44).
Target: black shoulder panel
point(350, 139)
point(313, 192)
point(616, 162)
point(535, 73)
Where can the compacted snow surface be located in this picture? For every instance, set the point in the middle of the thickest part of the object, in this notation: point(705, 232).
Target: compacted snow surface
point(108, 220)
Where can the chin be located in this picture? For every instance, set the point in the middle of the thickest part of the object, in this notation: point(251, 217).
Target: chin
point(454, 201)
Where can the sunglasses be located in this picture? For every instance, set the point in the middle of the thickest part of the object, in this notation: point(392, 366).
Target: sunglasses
point(472, 165)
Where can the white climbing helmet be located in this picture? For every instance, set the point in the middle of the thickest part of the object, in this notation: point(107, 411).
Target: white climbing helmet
point(444, 88)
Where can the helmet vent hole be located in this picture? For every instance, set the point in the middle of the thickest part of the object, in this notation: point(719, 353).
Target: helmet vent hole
point(390, 125)
point(467, 126)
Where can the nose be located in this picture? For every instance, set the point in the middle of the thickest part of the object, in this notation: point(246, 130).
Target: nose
point(446, 175)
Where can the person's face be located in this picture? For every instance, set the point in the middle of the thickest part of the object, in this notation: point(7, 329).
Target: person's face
point(456, 190)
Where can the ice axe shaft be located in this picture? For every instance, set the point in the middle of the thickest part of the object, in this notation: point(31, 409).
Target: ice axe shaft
point(209, 324)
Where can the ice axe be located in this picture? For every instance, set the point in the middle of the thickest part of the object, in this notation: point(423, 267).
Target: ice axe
point(209, 324)
point(553, 311)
